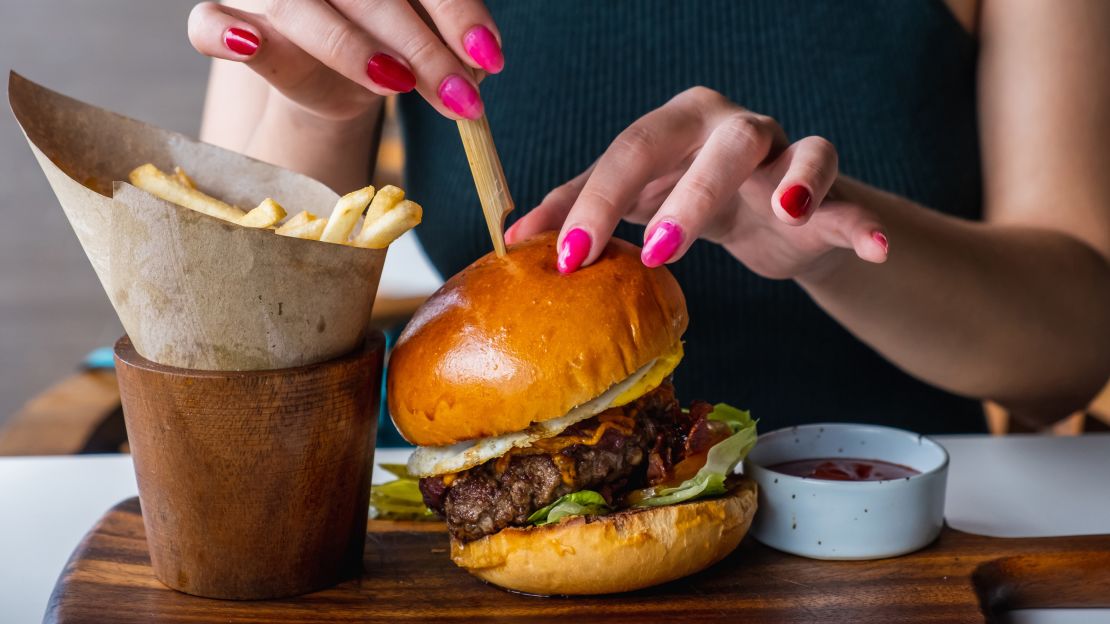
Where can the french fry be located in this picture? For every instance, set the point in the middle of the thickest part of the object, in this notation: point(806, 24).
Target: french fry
point(265, 215)
point(388, 214)
point(310, 231)
point(345, 215)
point(309, 227)
point(379, 233)
point(182, 177)
point(298, 219)
point(385, 200)
point(154, 181)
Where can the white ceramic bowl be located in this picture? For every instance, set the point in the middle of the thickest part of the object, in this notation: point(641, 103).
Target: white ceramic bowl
point(848, 519)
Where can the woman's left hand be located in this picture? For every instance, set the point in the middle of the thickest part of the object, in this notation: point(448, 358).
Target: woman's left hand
point(702, 167)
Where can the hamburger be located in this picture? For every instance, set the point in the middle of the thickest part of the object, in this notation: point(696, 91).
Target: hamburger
point(548, 432)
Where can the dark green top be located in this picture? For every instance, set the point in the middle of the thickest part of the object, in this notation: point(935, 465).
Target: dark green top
point(890, 83)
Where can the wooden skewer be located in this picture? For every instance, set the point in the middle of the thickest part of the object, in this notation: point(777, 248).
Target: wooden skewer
point(489, 177)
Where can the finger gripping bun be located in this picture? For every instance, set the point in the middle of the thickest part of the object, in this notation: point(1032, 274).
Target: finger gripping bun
point(616, 553)
point(510, 341)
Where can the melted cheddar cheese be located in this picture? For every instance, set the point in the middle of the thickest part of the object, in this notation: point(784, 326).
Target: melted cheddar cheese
point(566, 468)
point(664, 365)
point(622, 421)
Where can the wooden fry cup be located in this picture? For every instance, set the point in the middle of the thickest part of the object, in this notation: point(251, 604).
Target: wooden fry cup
point(253, 484)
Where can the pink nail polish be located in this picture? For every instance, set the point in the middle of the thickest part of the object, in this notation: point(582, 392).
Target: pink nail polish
point(661, 244)
point(576, 246)
point(482, 46)
point(880, 238)
point(460, 96)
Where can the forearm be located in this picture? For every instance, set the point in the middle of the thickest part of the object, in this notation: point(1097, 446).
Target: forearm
point(337, 153)
point(265, 125)
point(1018, 315)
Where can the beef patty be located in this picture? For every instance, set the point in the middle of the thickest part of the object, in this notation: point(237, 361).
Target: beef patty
point(607, 453)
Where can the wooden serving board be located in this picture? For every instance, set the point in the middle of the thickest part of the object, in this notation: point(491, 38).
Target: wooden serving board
point(409, 577)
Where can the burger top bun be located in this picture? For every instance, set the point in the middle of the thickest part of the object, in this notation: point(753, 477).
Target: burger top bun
point(621, 552)
point(510, 341)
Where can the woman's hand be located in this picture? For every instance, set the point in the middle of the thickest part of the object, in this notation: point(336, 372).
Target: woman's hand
point(703, 167)
point(336, 58)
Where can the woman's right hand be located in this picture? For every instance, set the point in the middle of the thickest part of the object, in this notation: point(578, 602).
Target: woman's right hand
point(336, 58)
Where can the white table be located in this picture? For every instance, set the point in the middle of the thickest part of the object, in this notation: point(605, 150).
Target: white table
point(1017, 486)
point(407, 271)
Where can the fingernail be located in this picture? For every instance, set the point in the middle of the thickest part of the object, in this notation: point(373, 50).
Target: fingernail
point(576, 246)
point(461, 97)
point(241, 41)
point(482, 46)
point(390, 73)
point(661, 245)
point(795, 201)
point(880, 238)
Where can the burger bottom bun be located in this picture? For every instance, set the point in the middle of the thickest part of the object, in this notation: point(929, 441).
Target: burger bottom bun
point(616, 553)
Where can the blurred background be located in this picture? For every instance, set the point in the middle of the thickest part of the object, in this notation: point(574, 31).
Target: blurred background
point(131, 57)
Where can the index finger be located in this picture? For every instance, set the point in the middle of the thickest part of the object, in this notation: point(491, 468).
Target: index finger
point(438, 74)
point(235, 35)
point(653, 144)
point(469, 30)
point(320, 30)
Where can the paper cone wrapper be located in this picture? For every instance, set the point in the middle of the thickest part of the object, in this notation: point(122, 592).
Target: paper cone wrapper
point(193, 291)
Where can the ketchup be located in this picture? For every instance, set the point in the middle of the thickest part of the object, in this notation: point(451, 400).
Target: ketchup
point(844, 469)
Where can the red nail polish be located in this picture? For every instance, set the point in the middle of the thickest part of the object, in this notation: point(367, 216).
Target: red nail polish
point(795, 201)
point(482, 46)
point(241, 41)
point(390, 73)
point(880, 238)
point(575, 248)
point(661, 244)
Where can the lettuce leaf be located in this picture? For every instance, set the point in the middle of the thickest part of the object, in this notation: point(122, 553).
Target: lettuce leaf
point(401, 471)
point(580, 503)
point(720, 461)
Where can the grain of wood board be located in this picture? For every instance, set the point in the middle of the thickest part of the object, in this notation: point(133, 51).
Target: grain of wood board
point(407, 576)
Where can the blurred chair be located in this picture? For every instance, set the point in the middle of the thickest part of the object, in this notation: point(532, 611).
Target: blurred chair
point(1095, 418)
